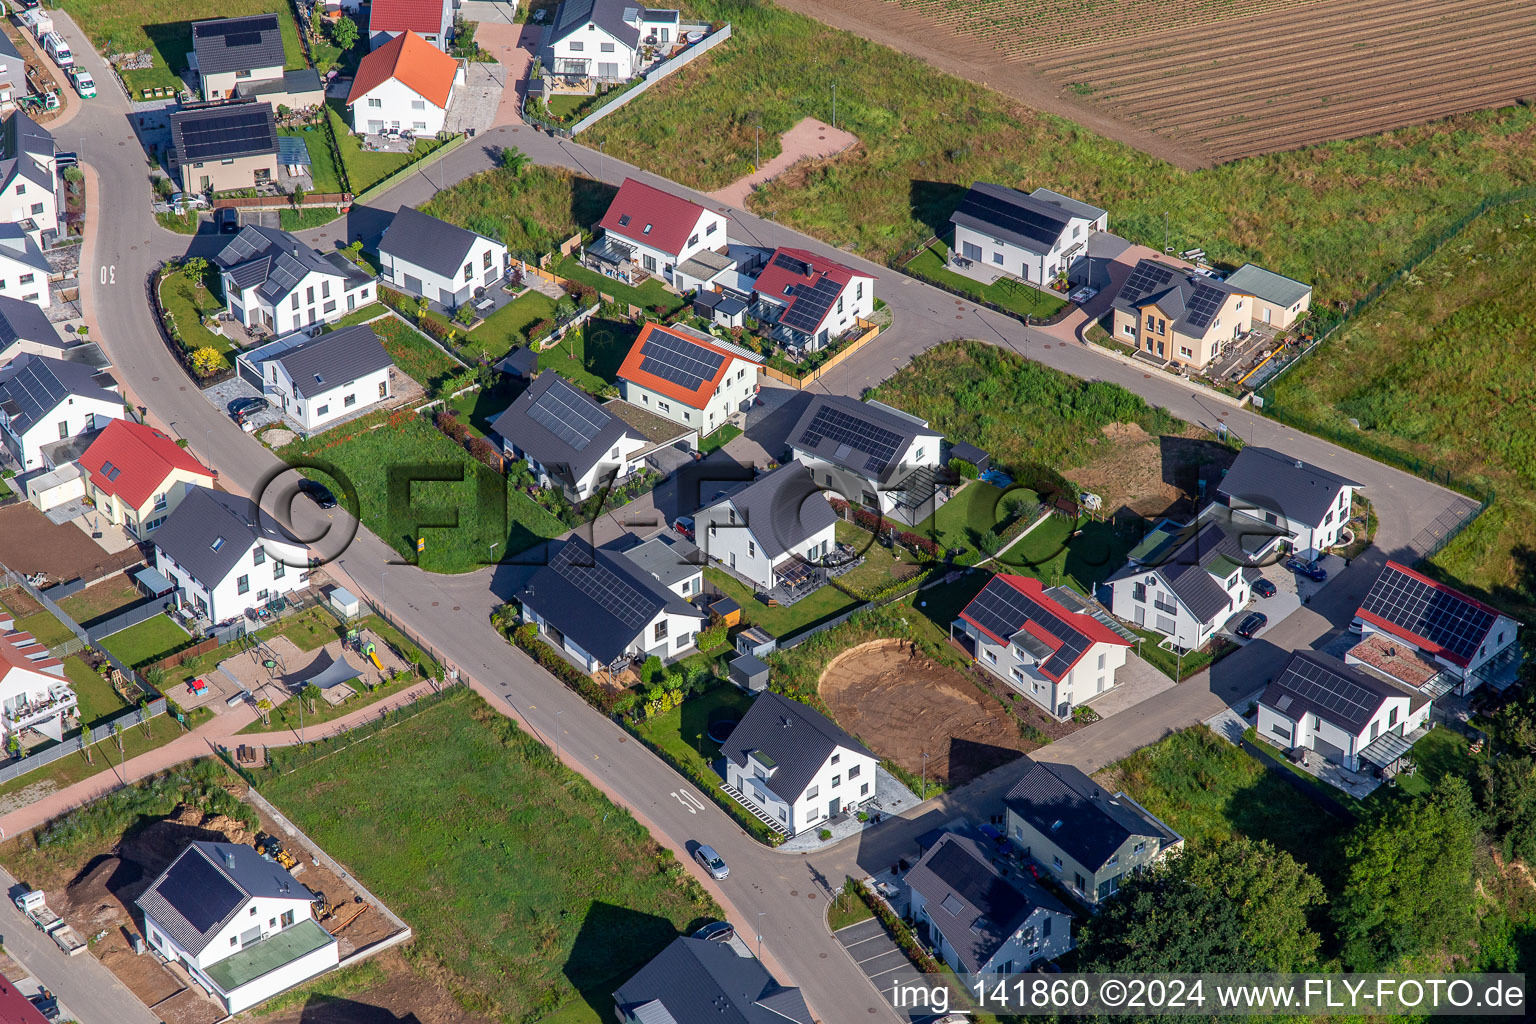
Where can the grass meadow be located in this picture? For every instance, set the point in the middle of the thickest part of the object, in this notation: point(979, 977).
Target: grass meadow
point(413, 353)
point(530, 212)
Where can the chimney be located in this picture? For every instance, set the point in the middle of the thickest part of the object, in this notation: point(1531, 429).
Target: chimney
point(1298, 463)
point(229, 858)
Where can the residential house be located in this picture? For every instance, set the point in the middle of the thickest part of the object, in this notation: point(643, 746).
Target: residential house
point(240, 925)
point(1310, 504)
point(16, 1008)
point(404, 84)
point(673, 561)
point(872, 455)
point(1034, 237)
point(29, 179)
point(978, 921)
point(1057, 657)
point(43, 400)
point(224, 555)
point(136, 476)
point(569, 440)
point(1343, 712)
point(24, 269)
point(1186, 581)
point(432, 20)
point(26, 329)
point(13, 74)
point(1077, 831)
point(225, 147)
point(807, 301)
point(438, 261)
point(1470, 641)
point(274, 281)
point(794, 767)
point(319, 380)
point(649, 232)
point(602, 610)
point(1179, 316)
point(696, 980)
point(688, 376)
point(603, 39)
point(34, 692)
point(771, 530)
point(232, 52)
point(1278, 301)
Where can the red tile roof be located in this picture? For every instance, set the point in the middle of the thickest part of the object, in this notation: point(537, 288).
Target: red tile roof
point(1090, 628)
point(652, 217)
point(697, 398)
point(775, 279)
point(424, 16)
point(411, 60)
point(143, 458)
point(15, 1008)
point(14, 650)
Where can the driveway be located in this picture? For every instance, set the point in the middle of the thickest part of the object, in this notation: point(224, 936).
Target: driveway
point(871, 947)
point(513, 46)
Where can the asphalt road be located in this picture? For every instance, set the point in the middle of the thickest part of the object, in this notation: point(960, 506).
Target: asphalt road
point(783, 896)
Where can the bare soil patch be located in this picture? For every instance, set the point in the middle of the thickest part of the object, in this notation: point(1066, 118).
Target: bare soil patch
point(1150, 475)
point(30, 543)
point(809, 139)
point(405, 995)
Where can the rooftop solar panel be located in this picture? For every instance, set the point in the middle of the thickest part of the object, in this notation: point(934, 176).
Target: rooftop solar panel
point(878, 445)
point(223, 132)
point(791, 264)
point(199, 891)
point(569, 414)
point(679, 361)
point(616, 595)
point(1331, 691)
point(1203, 305)
point(1147, 277)
point(1018, 217)
point(1002, 611)
point(1443, 618)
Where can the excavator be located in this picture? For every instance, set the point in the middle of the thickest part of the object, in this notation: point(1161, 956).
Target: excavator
point(270, 847)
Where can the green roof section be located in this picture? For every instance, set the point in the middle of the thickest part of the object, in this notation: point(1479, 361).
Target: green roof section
point(1222, 566)
point(1266, 284)
point(268, 955)
point(1150, 544)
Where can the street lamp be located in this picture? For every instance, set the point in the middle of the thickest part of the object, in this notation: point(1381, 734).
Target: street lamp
point(493, 551)
point(760, 914)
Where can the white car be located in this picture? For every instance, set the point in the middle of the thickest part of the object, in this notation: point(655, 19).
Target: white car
point(1083, 294)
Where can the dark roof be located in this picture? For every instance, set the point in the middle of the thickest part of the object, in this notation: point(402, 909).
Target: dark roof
point(966, 899)
point(1006, 213)
point(1018, 606)
point(24, 321)
point(865, 437)
point(23, 144)
point(782, 509)
point(599, 599)
point(1188, 556)
point(237, 44)
point(607, 15)
point(1316, 684)
point(17, 245)
point(427, 242)
point(1432, 616)
point(207, 885)
point(274, 262)
point(223, 132)
point(1267, 479)
point(805, 284)
point(32, 386)
point(797, 736)
point(331, 360)
point(521, 362)
point(696, 980)
point(210, 533)
point(1189, 299)
point(560, 426)
point(1081, 817)
point(668, 557)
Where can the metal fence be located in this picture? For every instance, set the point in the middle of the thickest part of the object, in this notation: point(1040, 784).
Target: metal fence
point(129, 615)
point(74, 744)
point(74, 627)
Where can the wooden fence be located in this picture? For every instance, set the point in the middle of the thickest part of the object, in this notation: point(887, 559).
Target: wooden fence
point(871, 332)
point(331, 199)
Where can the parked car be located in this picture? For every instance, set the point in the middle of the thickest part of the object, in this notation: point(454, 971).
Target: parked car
point(1083, 294)
point(716, 931)
point(684, 526)
point(228, 221)
point(1263, 587)
point(1251, 625)
point(242, 409)
point(318, 493)
point(1311, 570)
point(712, 862)
point(85, 85)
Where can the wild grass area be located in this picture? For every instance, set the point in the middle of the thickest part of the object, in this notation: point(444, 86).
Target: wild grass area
point(413, 353)
point(1341, 215)
point(528, 890)
point(1440, 369)
point(531, 211)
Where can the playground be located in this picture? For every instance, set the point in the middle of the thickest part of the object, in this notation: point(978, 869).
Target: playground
point(276, 669)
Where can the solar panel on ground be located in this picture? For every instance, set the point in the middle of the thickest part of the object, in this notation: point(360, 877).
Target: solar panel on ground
point(1002, 611)
point(1036, 225)
point(877, 443)
point(199, 891)
point(1446, 620)
point(678, 360)
point(1147, 277)
point(614, 594)
point(569, 414)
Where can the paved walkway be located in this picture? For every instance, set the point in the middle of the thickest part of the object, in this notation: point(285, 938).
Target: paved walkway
point(809, 139)
point(512, 45)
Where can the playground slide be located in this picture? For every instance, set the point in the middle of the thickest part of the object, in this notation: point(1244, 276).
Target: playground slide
point(374, 657)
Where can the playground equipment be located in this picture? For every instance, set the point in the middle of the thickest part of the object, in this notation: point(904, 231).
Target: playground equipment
point(373, 656)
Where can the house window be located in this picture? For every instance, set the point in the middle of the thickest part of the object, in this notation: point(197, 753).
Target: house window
point(813, 792)
point(243, 585)
point(309, 295)
point(1102, 659)
point(853, 772)
point(485, 260)
point(253, 912)
point(837, 780)
point(375, 102)
point(605, 47)
point(864, 790)
point(279, 570)
point(1186, 352)
point(287, 919)
point(1045, 927)
point(258, 555)
point(349, 401)
point(418, 104)
point(661, 630)
point(324, 410)
point(992, 657)
point(1141, 844)
point(1138, 591)
point(693, 240)
point(836, 758)
point(329, 307)
point(37, 208)
point(711, 229)
point(1391, 718)
point(26, 278)
point(233, 941)
point(63, 431)
point(751, 549)
point(1056, 863)
point(577, 47)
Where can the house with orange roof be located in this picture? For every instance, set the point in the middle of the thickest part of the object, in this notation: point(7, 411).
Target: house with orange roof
point(405, 85)
point(34, 693)
point(689, 377)
point(137, 476)
point(432, 20)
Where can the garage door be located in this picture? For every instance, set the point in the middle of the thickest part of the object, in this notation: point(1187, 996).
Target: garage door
point(249, 374)
point(1328, 750)
point(413, 284)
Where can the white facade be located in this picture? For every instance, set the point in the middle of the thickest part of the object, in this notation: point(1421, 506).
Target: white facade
point(21, 280)
point(735, 393)
point(621, 462)
point(1336, 742)
point(859, 489)
point(266, 571)
point(34, 692)
point(1043, 935)
point(1146, 600)
point(73, 416)
point(393, 104)
point(316, 411)
point(318, 298)
point(845, 780)
point(1308, 540)
point(669, 635)
point(856, 300)
point(1504, 632)
point(483, 267)
point(724, 536)
point(593, 52)
point(1094, 673)
point(31, 203)
point(998, 255)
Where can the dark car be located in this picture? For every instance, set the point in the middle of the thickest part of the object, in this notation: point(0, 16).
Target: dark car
point(1252, 624)
point(1263, 587)
point(318, 493)
point(228, 221)
point(717, 931)
point(1311, 570)
point(242, 409)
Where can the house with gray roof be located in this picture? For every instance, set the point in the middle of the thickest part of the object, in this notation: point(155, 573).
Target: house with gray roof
point(24, 269)
point(780, 524)
point(24, 328)
point(1178, 315)
point(978, 921)
point(29, 179)
point(445, 264)
point(240, 925)
point(603, 39)
point(794, 768)
point(569, 439)
point(225, 147)
point(673, 560)
point(1279, 300)
point(694, 981)
point(276, 282)
point(871, 454)
point(1079, 832)
point(44, 400)
point(228, 53)
point(320, 380)
point(1309, 503)
point(226, 556)
point(1032, 237)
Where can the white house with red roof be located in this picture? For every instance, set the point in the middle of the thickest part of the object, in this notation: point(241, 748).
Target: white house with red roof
point(1028, 637)
point(648, 232)
point(430, 19)
point(404, 84)
point(688, 376)
point(808, 300)
point(34, 693)
point(1470, 641)
point(137, 476)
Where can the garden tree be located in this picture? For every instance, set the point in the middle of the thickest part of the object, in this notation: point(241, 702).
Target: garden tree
point(206, 361)
point(1506, 793)
point(464, 314)
point(422, 308)
point(86, 745)
point(311, 695)
point(74, 175)
point(650, 669)
point(264, 706)
point(1409, 888)
point(197, 269)
point(1271, 896)
point(1166, 921)
point(344, 33)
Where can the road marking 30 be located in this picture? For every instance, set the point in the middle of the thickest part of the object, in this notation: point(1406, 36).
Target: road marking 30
point(109, 273)
point(688, 800)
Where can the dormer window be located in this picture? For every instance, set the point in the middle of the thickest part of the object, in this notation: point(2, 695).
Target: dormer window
point(218, 542)
point(1055, 825)
point(647, 230)
point(623, 220)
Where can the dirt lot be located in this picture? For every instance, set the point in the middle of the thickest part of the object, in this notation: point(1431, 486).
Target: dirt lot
point(1152, 476)
point(903, 707)
point(30, 543)
point(403, 997)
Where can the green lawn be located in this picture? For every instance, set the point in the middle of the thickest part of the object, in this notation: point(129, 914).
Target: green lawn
point(504, 329)
point(363, 314)
point(880, 567)
point(478, 409)
point(781, 622)
point(719, 438)
point(322, 163)
point(309, 217)
point(181, 223)
point(527, 889)
point(532, 212)
point(1077, 553)
point(591, 356)
point(649, 295)
point(1172, 665)
point(414, 354)
point(49, 631)
point(976, 510)
point(95, 694)
point(149, 641)
point(67, 771)
point(1438, 753)
point(1006, 292)
point(186, 304)
point(366, 169)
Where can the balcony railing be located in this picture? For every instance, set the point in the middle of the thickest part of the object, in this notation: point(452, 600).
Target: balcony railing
point(60, 700)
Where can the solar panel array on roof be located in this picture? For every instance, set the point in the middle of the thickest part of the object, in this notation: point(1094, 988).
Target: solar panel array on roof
point(230, 131)
point(245, 30)
point(569, 414)
point(1146, 277)
point(1447, 620)
point(1203, 305)
point(1329, 690)
point(678, 360)
point(791, 264)
point(1002, 611)
point(614, 594)
point(879, 444)
point(200, 892)
point(811, 304)
point(1037, 225)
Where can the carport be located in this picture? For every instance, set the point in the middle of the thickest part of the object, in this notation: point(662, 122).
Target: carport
point(871, 947)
